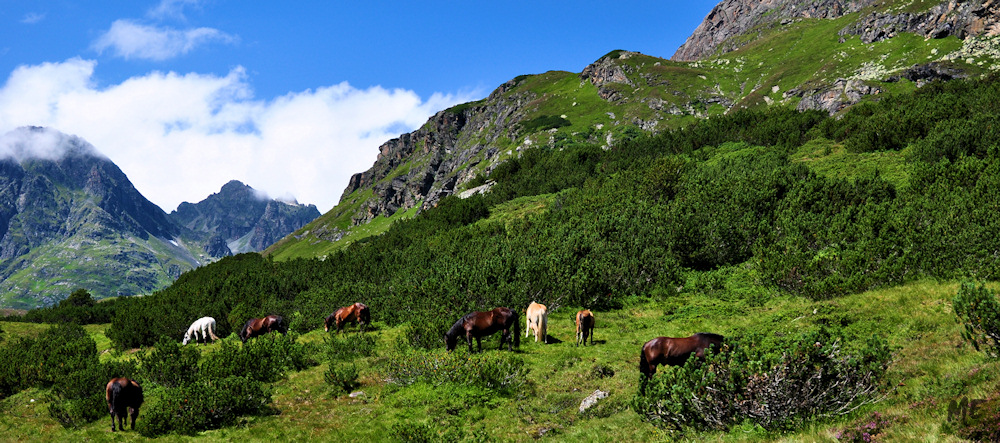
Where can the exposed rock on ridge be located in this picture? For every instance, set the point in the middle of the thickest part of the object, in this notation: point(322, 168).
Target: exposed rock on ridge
point(732, 18)
point(438, 167)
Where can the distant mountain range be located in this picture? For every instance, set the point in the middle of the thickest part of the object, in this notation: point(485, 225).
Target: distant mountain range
point(70, 218)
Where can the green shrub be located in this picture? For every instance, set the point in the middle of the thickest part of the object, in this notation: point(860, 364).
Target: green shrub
point(202, 405)
point(342, 377)
point(978, 310)
point(169, 364)
point(264, 358)
point(776, 386)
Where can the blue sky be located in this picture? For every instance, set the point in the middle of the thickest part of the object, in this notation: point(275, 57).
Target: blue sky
point(289, 97)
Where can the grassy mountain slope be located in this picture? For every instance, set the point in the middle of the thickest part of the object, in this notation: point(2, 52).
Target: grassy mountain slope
point(802, 63)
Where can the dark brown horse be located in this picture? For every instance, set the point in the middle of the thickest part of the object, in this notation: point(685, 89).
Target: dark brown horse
point(123, 396)
point(356, 313)
point(479, 324)
point(261, 326)
point(584, 327)
point(674, 351)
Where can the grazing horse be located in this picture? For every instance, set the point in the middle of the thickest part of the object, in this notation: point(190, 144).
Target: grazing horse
point(261, 326)
point(584, 327)
point(538, 320)
point(674, 351)
point(123, 396)
point(204, 326)
point(356, 313)
point(478, 324)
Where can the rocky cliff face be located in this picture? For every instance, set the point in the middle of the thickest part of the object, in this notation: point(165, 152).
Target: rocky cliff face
point(732, 18)
point(239, 219)
point(441, 155)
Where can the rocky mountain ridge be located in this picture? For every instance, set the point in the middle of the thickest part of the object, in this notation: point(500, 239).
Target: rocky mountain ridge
point(880, 20)
point(816, 54)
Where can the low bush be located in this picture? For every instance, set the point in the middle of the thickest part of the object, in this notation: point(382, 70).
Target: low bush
point(265, 358)
point(342, 377)
point(776, 386)
point(169, 364)
point(205, 404)
point(978, 309)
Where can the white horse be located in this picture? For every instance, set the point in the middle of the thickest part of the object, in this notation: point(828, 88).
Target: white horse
point(538, 320)
point(204, 326)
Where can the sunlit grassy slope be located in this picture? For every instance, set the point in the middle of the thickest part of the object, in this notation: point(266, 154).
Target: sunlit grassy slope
point(932, 366)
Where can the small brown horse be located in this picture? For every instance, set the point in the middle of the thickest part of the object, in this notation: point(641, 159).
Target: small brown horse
point(674, 351)
point(123, 396)
point(584, 327)
point(479, 324)
point(261, 326)
point(356, 313)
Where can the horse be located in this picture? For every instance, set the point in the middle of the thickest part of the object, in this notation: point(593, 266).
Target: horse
point(204, 326)
point(356, 313)
point(478, 324)
point(674, 351)
point(261, 326)
point(538, 320)
point(123, 395)
point(584, 327)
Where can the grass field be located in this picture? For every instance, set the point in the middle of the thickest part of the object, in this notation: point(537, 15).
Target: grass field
point(932, 366)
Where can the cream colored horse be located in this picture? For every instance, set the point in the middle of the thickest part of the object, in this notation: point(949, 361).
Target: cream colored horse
point(584, 327)
point(205, 326)
point(538, 320)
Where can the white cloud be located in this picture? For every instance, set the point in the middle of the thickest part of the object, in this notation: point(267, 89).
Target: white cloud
point(180, 137)
point(128, 39)
point(32, 18)
point(170, 9)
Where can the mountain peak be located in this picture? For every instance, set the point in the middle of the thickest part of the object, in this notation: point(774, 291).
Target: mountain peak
point(36, 142)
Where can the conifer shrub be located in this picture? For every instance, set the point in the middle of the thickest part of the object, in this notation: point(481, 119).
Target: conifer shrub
point(207, 403)
point(978, 309)
point(776, 385)
point(266, 358)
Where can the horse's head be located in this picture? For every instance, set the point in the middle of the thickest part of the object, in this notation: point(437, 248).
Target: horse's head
point(187, 338)
point(450, 341)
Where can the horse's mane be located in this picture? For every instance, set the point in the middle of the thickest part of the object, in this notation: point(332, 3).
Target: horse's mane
point(710, 335)
point(453, 332)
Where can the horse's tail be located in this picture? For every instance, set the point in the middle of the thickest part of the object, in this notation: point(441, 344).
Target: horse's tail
point(643, 362)
point(114, 396)
point(517, 327)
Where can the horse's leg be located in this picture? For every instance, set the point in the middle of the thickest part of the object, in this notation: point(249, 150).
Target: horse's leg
point(133, 413)
point(111, 410)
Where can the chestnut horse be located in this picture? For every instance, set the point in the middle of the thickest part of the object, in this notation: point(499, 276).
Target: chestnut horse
point(123, 396)
point(584, 327)
point(538, 320)
point(674, 351)
point(356, 313)
point(479, 324)
point(261, 326)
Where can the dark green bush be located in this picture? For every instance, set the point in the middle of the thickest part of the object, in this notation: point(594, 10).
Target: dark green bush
point(978, 310)
point(265, 358)
point(169, 364)
point(342, 377)
point(204, 404)
point(777, 386)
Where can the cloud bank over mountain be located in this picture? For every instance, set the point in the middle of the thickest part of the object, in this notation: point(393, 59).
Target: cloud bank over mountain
point(179, 136)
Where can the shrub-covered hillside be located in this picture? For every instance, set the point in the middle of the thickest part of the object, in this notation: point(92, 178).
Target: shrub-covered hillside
point(807, 240)
point(894, 191)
